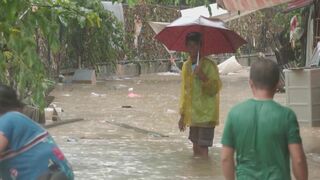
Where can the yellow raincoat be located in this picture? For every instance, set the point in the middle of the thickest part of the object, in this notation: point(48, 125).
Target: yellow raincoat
point(199, 101)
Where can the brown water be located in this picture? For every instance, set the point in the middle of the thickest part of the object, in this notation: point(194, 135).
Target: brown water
point(126, 143)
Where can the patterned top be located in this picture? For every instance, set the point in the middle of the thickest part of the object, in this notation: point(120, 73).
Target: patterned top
point(31, 152)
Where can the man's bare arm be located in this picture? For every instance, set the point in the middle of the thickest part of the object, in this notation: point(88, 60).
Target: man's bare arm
point(227, 161)
point(299, 162)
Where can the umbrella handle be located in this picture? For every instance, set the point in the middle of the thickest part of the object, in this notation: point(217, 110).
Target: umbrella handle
point(198, 58)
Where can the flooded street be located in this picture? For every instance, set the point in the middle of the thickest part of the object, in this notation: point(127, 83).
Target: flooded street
point(137, 137)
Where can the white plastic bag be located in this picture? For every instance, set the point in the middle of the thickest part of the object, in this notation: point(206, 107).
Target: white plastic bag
point(231, 65)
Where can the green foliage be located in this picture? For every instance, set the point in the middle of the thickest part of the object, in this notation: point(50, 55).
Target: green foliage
point(279, 34)
point(90, 45)
point(183, 3)
point(80, 27)
point(20, 21)
point(269, 30)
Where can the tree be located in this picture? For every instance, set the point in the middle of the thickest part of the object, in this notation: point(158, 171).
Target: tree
point(269, 30)
point(21, 66)
point(88, 45)
point(178, 3)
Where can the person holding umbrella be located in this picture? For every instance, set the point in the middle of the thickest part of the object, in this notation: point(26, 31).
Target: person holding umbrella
point(199, 102)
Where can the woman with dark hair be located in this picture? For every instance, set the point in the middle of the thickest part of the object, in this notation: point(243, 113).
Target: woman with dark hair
point(27, 151)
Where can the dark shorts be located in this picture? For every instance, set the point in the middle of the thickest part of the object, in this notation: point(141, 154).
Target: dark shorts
point(201, 136)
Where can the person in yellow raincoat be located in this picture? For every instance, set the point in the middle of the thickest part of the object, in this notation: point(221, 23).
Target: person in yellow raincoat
point(199, 101)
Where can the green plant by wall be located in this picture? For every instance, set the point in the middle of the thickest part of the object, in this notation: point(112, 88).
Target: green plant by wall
point(89, 45)
point(21, 24)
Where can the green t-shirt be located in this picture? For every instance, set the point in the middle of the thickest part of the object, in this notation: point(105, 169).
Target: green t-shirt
point(260, 132)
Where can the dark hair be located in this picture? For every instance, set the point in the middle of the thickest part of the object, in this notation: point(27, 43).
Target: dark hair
point(265, 74)
point(8, 99)
point(194, 37)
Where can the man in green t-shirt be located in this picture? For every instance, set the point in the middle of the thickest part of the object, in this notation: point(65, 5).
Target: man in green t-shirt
point(262, 133)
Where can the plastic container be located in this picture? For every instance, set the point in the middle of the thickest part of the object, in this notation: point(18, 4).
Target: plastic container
point(303, 94)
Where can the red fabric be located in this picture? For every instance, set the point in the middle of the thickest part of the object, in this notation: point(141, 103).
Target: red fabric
point(245, 3)
point(293, 23)
point(260, 3)
point(58, 153)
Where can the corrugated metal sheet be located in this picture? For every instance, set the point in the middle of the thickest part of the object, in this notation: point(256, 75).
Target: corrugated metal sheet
point(298, 4)
point(249, 5)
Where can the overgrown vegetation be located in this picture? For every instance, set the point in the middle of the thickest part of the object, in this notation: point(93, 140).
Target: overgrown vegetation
point(31, 40)
point(89, 45)
point(269, 31)
point(38, 37)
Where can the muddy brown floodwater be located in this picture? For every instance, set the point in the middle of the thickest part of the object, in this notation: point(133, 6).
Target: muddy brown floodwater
point(138, 138)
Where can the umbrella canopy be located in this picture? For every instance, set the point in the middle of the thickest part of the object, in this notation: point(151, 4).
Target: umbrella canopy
point(249, 5)
point(216, 38)
point(157, 27)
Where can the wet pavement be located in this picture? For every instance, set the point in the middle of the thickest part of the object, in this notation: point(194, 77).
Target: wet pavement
point(138, 138)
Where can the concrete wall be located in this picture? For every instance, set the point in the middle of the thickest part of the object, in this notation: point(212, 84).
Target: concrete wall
point(131, 69)
point(147, 67)
point(154, 67)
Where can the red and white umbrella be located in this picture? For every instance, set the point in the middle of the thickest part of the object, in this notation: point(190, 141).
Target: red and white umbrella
point(216, 38)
